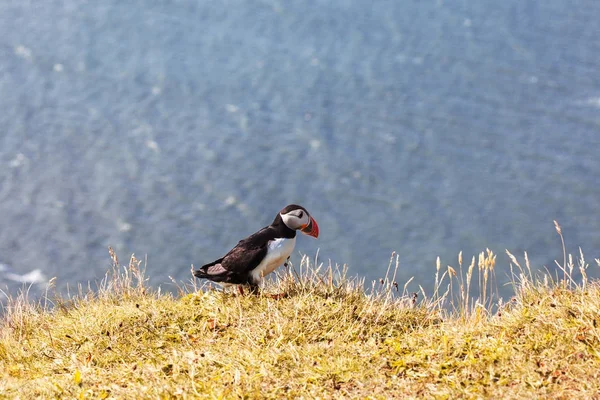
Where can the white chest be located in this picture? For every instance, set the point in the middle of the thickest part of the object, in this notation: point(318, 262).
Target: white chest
point(278, 252)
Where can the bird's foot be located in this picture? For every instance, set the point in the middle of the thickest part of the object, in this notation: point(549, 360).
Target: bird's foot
point(278, 296)
point(286, 263)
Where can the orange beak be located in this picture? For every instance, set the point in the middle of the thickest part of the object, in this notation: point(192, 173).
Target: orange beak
point(312, 229)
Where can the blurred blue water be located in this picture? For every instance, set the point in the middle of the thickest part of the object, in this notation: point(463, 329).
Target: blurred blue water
point(173, 129)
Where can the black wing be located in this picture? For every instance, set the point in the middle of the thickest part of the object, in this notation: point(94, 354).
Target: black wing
point(236, 265)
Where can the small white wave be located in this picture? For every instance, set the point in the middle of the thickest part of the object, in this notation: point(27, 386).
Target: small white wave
point(35, 276)
point(594, 101)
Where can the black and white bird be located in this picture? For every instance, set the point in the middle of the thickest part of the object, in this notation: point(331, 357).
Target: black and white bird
point(261, 253)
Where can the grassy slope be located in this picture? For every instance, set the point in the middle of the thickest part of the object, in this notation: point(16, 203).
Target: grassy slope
point(327, 339)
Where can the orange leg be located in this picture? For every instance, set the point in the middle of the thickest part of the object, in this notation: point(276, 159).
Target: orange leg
point(278, 296)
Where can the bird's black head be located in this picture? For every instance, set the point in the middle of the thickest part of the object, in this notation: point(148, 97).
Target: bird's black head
point(296, 217)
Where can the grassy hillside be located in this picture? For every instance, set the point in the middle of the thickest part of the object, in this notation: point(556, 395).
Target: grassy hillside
point(329, 338)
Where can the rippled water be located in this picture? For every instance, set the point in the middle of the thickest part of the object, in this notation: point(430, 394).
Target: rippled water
point(174, 129)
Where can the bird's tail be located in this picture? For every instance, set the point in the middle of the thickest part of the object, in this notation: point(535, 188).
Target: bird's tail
point(200, 274)
point(213, 271)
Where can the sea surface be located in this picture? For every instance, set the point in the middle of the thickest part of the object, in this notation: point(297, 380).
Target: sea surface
point(172, 129)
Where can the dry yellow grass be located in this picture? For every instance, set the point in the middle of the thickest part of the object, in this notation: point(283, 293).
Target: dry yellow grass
point(327, 339)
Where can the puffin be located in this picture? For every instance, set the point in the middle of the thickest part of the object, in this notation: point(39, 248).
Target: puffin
point(261, 253)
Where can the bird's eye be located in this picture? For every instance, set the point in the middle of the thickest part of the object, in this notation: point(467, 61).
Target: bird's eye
point(301, 214)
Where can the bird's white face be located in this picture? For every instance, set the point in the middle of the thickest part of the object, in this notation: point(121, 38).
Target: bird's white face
point(298, 219)
point(295, 219)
